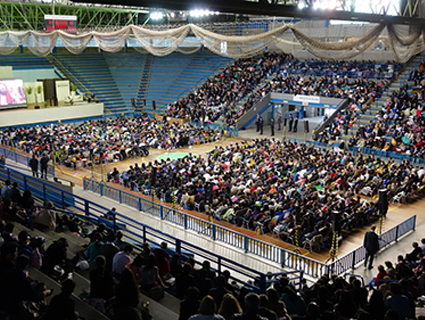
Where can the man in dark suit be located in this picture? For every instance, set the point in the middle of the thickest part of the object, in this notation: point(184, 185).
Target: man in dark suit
point(291, 122)
point(272, 126)
point(261, 123)
point(371, 244)
point(279, 121)
point(295, 124)
point(43, 162)
point(33, 163)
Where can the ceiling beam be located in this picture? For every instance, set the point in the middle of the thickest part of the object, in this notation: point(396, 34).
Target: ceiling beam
point(264, 8)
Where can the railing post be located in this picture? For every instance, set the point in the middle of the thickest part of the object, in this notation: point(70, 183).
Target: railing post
point(140, 204)
point(178, 246)
point(396, 234)
point(353, 261)
point(161, 210)
point(282, 257)
point(44, 192)
point(246, 244)
point(86, 208)
point(213, 231)
point(101, 189)
point(144, 234)
point(63, 200)
point(120, 196)
point(84, 184)
point(414, 222)
point(114, 219)
point(185, 221)
point(263, 284)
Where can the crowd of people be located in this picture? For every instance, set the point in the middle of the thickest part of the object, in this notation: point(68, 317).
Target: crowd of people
point(277, 186)
point(104, 141)
point(399, 124)
point(218, 96)
point(118, 275)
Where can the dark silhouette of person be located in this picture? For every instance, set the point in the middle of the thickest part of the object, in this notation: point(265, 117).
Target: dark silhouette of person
point(261, 123)
point(295, 124)
point(272, 126)
point(279, 122)
point(43, 162)
point(33, 164)
point(291, 122)
point(371, 244)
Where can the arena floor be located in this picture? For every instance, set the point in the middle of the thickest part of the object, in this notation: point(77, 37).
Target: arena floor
point(396, 215)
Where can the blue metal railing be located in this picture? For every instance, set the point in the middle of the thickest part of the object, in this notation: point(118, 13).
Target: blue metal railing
point(138, 233)
point(350, 260)
point(265, 250)
point(23, 159)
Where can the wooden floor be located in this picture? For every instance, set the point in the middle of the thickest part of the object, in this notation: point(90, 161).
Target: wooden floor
point(396, 214)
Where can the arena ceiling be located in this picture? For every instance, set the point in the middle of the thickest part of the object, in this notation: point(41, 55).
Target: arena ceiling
point(407, 12)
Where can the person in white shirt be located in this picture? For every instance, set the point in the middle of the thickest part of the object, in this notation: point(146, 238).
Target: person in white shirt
point(121, 260)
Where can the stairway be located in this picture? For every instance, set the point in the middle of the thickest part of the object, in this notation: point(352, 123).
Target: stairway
point(174, 76)
point(90, 73)
point(144, 80)
point(365, 119)
point(125, 69)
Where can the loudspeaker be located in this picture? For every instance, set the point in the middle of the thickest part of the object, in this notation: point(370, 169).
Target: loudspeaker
point(284, 122)
point(152, 176)
point(383, 202)
point(153, 104)
point(209, 192)
point(306, 129)
point(336, 221)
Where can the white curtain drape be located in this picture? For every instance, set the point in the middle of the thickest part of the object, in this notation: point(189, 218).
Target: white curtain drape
point(403, 42)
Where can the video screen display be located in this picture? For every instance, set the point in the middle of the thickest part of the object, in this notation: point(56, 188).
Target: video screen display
point(12, 93)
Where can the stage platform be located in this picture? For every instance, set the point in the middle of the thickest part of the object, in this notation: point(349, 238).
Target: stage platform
point(19, 117)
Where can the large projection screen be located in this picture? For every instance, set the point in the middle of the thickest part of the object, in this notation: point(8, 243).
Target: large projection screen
point(12, 94)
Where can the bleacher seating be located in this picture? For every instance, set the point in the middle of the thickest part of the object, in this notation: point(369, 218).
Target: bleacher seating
point(92, 70)
point(172, 77)
point(24, 61)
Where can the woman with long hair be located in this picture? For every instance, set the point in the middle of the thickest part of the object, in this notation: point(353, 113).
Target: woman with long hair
point(207, 309)
point(229, 306)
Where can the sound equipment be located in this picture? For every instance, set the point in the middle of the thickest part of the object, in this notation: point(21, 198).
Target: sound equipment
point(153, 104)
point(383, 202)
point(336, 221)
point(306, 129)
point(209, 193)
point(152, 176)
point(284, 121)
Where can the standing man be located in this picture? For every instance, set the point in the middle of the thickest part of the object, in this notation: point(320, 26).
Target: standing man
point(33, 163)
point(295, 124)
point(272, 126)
point(291, 121)
point(279, 121)
point(261, 122)
point(371, 244)
point(44, 160)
